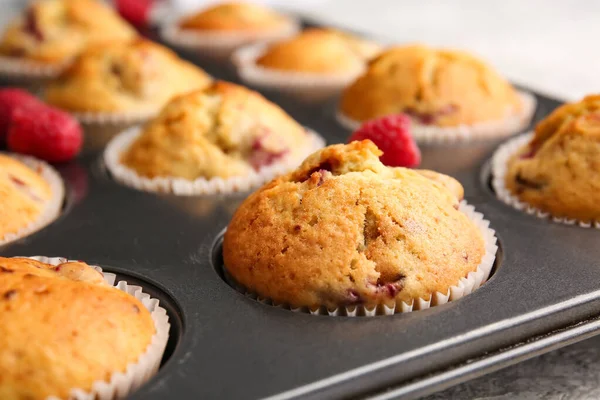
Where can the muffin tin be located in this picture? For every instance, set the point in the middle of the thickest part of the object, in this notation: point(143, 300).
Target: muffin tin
point(544, 293)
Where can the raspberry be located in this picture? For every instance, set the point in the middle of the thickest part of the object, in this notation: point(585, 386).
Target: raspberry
point(49, 134)
point(392, 135)
point(136, 12)
point(10, 100)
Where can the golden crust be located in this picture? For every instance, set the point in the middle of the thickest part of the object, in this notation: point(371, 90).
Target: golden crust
point(343, 229)
point(559, 170)
point(319, 51)
point(224, 130)
point(23, 195)
point(441, 87)
point(63, 328)
point(53, 31)
point(124, 76)
point(235, 17)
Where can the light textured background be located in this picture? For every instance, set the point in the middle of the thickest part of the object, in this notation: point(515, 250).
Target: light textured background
point(549, 45)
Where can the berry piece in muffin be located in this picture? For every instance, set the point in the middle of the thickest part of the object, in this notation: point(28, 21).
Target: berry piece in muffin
point(391, 135)
point(62, 327)
point(54, 31)
point(124, 76)
point(344, 230)
point(235, 17)
point(319, 51)
point(435, 87)
point(224, 130)
point(558, 171)
point(24, 195)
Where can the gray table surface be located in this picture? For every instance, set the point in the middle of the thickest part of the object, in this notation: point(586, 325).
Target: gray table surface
point(547, 44)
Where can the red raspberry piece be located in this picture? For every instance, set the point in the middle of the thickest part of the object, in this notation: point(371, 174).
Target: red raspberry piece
point(392, 135)
point(136, 12)
point(47, 133)
point(10, 100)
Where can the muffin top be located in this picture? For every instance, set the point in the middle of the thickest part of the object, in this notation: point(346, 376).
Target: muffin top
point(319, 51)
point(235, 17)
point(559, 170)
point(124, 76)
point(440, 87)
point(53, 31)
point(63, 327)
point(223, 130)
point(23, 195)
point(343, 230)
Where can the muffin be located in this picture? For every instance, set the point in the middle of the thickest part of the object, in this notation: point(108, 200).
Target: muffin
point(315, 60)
point(221, 132)
point(445, 92)
point(63, 327)
point(31, 195)
point(51, 32)
point(124, 77)
point(343, 230)
point(556, 170)
point(222, 27)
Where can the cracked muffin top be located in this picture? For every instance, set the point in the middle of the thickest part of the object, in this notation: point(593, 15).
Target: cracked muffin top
point(63, 327)
point(434, 87)
point(24, 195)
point(235, 17)
point(343, 230)
point(54, 31)
point(559, 170)
point(224, 130)
point(124, 76)
point(319, 51)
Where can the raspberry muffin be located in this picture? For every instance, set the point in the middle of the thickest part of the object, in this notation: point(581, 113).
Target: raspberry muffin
point(135, 77)
point(446, 93)
point(31, 195)
point(315, 60)
point(557, 170)
point(221, 28)
point(78, 330)
point(222, 132)
point(52, 32)
point(343, 230)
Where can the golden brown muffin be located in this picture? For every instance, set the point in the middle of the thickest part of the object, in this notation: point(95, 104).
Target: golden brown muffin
point(24, 195)
point(441, 87)
point(63, 327)
point(320, 51)
point(124, 76)
point(343, 229)
point(235, 17)
point(224, 130)
point(559, 170)
point(54, 31)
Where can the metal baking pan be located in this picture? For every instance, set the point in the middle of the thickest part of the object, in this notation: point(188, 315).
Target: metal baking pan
point(545, 292)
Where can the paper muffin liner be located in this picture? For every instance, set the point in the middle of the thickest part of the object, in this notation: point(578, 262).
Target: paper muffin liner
point(306, 86)
point(200, 186)
point(54, 206)
point(430, 134)
point(220, 45)
point(120, 384)
point(21, 72)
point(466, 285)
point(499, 166)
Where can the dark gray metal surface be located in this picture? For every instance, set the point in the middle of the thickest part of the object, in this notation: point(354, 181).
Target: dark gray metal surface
point(234, 347)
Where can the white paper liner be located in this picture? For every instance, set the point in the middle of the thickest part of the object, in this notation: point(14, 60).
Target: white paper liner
point(306, 85)
point(200, 186)
point(431, 134)
point(52, 208)
point(471, 282)
point(121, 384)
point(15, 67)
point(115, 118)
point(220, 44)
point(499, 169)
